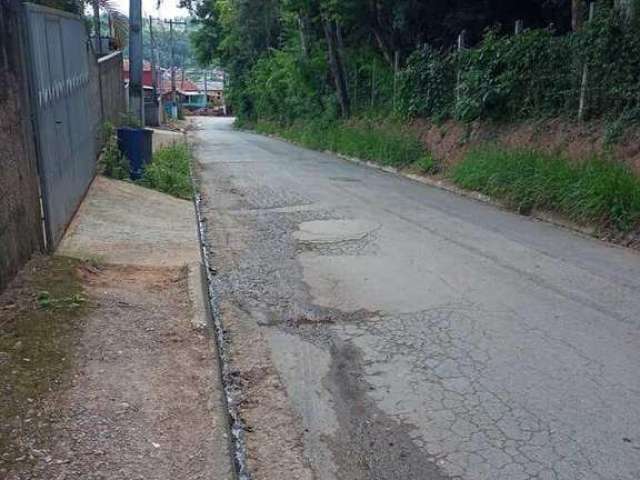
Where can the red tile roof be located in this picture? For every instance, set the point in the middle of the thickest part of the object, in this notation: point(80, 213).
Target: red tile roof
point(185, 85)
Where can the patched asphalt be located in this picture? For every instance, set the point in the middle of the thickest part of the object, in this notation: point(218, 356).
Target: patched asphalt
point(418, 334)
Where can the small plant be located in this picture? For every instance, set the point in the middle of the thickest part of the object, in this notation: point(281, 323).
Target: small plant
point(169, 172)
point(46, 301)
point(112, 163)
point(426, 164)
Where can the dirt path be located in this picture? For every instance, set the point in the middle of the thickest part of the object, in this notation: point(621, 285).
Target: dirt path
point(138, 401)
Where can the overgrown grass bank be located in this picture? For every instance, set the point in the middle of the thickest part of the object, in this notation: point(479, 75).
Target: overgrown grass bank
point(169, 172)
point(388, 144)
point(596, 192)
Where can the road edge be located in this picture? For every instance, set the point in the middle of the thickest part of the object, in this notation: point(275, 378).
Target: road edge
point(441, 184)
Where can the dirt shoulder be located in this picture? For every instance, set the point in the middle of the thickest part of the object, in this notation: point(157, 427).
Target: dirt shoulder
point(108, 367)
point(129, 390)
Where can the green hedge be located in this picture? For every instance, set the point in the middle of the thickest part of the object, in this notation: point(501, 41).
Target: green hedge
point(534, 74)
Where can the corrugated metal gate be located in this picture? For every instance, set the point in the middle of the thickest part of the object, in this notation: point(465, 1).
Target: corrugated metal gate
point(60, 55)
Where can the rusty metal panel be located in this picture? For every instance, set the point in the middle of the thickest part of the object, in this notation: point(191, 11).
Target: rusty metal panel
point(60, 55)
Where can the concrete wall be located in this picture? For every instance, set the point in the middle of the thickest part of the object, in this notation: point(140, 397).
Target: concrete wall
point(112, 86)
point(20, 222)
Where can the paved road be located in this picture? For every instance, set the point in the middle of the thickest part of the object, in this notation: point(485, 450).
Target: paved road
point(416, 334)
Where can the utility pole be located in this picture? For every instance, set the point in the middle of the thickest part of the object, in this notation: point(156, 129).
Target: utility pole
point(154, 64)
point(136, 97)
point(174, 106)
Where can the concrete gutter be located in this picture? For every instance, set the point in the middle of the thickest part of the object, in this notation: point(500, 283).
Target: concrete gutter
point(237, 442)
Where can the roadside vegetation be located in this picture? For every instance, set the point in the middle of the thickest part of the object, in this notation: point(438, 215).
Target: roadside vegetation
point(386, 143)
point(112, 163)
point(40, 319)
point(599, 192)
point(170, 171)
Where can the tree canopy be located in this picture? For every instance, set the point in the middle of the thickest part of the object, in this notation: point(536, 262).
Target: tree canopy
point(296, 57)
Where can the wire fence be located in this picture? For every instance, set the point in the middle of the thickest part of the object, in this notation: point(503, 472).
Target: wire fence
point(588, 74)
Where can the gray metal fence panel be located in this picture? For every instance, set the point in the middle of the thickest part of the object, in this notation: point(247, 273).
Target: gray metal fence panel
point(60, 55)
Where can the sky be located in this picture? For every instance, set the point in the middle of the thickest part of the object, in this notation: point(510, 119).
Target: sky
point(168, 8)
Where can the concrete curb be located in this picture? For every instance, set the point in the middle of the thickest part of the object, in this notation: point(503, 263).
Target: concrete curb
point(198, 294)
point(201, 320)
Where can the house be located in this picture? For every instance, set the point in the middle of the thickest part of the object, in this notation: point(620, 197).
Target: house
point(188, 94)
point(215, 92)
point(147, 73)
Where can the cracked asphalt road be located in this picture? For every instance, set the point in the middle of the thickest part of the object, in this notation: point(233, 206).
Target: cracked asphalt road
point(383, 329)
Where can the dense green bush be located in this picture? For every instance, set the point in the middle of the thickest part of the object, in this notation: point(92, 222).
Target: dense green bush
point(610, 46)
point(533, 74)
point(284, 86)
point(370, 81)
point(170, 171)
point(596, 191)
point(516, 77)
point(426, 85)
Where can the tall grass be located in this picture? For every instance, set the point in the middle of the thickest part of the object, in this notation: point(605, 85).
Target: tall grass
point(169, 172)
point(387, 144)
point(596, 191)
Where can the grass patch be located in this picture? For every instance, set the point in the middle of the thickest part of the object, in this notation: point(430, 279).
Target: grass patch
point(596, 192)
point(386, 143)
point(169, 172)
point(40, 315)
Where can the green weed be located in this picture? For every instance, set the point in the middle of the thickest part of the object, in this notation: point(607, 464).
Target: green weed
point(169, 172)
point(426, 164)
point(595, 192)
point(112, 163)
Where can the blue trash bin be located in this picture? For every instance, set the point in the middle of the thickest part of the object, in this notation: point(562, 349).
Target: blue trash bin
point(136, 144)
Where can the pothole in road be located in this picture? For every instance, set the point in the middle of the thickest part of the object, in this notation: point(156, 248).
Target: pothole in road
point(334, 231)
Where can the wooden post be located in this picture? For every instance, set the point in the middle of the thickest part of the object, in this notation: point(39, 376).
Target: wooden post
point(462, 39)
point(585, 74)
point(175, 108)
point(396, 70)
point(355, 88)
point(373, 83)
